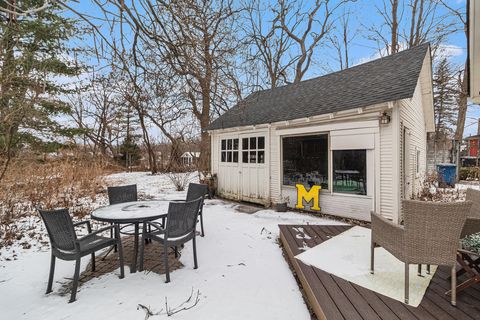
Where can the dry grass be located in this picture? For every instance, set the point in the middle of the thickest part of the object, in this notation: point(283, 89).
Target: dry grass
point(71, 180)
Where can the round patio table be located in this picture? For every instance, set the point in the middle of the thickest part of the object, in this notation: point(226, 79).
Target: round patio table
point(136, 213)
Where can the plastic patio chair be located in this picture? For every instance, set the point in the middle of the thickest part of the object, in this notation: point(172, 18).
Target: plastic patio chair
point(430, 236)
point(180, 228)
point(65, 244)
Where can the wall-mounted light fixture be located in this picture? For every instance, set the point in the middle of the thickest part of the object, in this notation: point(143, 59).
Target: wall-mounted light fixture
point(385, 118)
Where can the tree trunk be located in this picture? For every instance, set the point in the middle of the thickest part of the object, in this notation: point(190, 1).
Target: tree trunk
point(462, 106)
point(394, 44)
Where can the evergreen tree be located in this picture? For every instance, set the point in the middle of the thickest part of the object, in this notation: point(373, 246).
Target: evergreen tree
point(34, 51)
point(445, 89)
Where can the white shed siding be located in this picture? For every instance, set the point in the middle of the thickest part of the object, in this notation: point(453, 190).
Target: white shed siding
point(275, 167)
point(413, 118)
point(336, 204)
point(387, 187)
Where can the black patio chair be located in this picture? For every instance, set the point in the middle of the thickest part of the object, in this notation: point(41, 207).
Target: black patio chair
point(180, 228)
point(195, 191)
point(66, 246)
point(121, 194)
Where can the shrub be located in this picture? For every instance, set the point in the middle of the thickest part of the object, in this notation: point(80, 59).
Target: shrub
point(469, 173)
point(63, 180)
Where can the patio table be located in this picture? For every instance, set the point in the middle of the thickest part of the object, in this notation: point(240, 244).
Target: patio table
point(136, 213)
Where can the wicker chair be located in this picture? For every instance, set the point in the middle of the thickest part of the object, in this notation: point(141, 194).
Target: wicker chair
point(430, 235)
point(66, 246)
point(472, 225)
point(195, 191)
point(180, 228)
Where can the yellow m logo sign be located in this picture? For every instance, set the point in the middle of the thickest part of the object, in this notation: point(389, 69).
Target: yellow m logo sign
point(312, 194)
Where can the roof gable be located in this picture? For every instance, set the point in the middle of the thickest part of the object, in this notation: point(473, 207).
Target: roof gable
point(386, 79)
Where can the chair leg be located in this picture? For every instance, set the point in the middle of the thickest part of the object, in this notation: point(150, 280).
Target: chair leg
point(142, 248)
point(165, 262)
point(407, 274)
point(454, 286)
point(195, 263)
point(76, 277)
point(201, 224)
point(112, 234)
point(120, 253)
point(419, 270)
point(372, 257)
point(175, 249)
point(50, 276)
point(428, 269)
point(93, 261)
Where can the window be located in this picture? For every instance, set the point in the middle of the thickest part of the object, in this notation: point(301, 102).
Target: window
point(253, 150)
point(229, 150)
point(350, 171)
point(305, 160)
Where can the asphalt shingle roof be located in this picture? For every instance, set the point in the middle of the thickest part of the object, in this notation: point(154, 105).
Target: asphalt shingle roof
point(386, 79)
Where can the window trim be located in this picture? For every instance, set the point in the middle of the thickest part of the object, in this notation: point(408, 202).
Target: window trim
point(370, 193)
point(256, 150)
point(367, 173)
point(327, 133)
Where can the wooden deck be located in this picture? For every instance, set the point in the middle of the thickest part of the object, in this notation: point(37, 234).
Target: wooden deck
point(331, 297)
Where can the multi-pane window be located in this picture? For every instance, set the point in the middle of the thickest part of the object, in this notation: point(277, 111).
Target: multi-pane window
point(350, 171)
point(305, 160)
point(229, 150)
point(253, 150)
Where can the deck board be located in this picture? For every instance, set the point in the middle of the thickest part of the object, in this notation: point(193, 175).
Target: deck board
point(332, 297)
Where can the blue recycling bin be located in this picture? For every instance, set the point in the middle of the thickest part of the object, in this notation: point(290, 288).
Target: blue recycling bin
point(447, 174)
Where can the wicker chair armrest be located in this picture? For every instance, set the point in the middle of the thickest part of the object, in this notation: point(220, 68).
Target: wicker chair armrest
point(87, 222)
point(96, 232)
point(387, 234)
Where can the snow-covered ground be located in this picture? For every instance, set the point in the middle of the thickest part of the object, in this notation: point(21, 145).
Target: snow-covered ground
point(242, 273)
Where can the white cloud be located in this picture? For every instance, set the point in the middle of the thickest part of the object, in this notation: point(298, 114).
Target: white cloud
point(444, 51)
point(449, 51)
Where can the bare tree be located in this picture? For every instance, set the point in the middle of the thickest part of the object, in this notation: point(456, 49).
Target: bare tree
point(270, 46)
point(462, 79)
point(95, 113)
point(286, 45)
point(445, 87)
point(195, 39)
point(406, 24)
point(342, 39)
point(306, 27)
point(14, 8)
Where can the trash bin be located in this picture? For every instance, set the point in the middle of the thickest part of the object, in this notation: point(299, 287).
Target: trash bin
point(447, 174)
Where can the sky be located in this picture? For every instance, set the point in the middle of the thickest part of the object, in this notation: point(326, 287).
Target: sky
point(363, 14)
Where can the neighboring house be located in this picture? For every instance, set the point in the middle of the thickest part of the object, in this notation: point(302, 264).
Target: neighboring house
point(474, 49)
point(472, 154)
point(189, 158)
point(360, 133)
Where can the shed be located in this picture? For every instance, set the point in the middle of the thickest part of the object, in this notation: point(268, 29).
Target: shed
point(360, 134)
